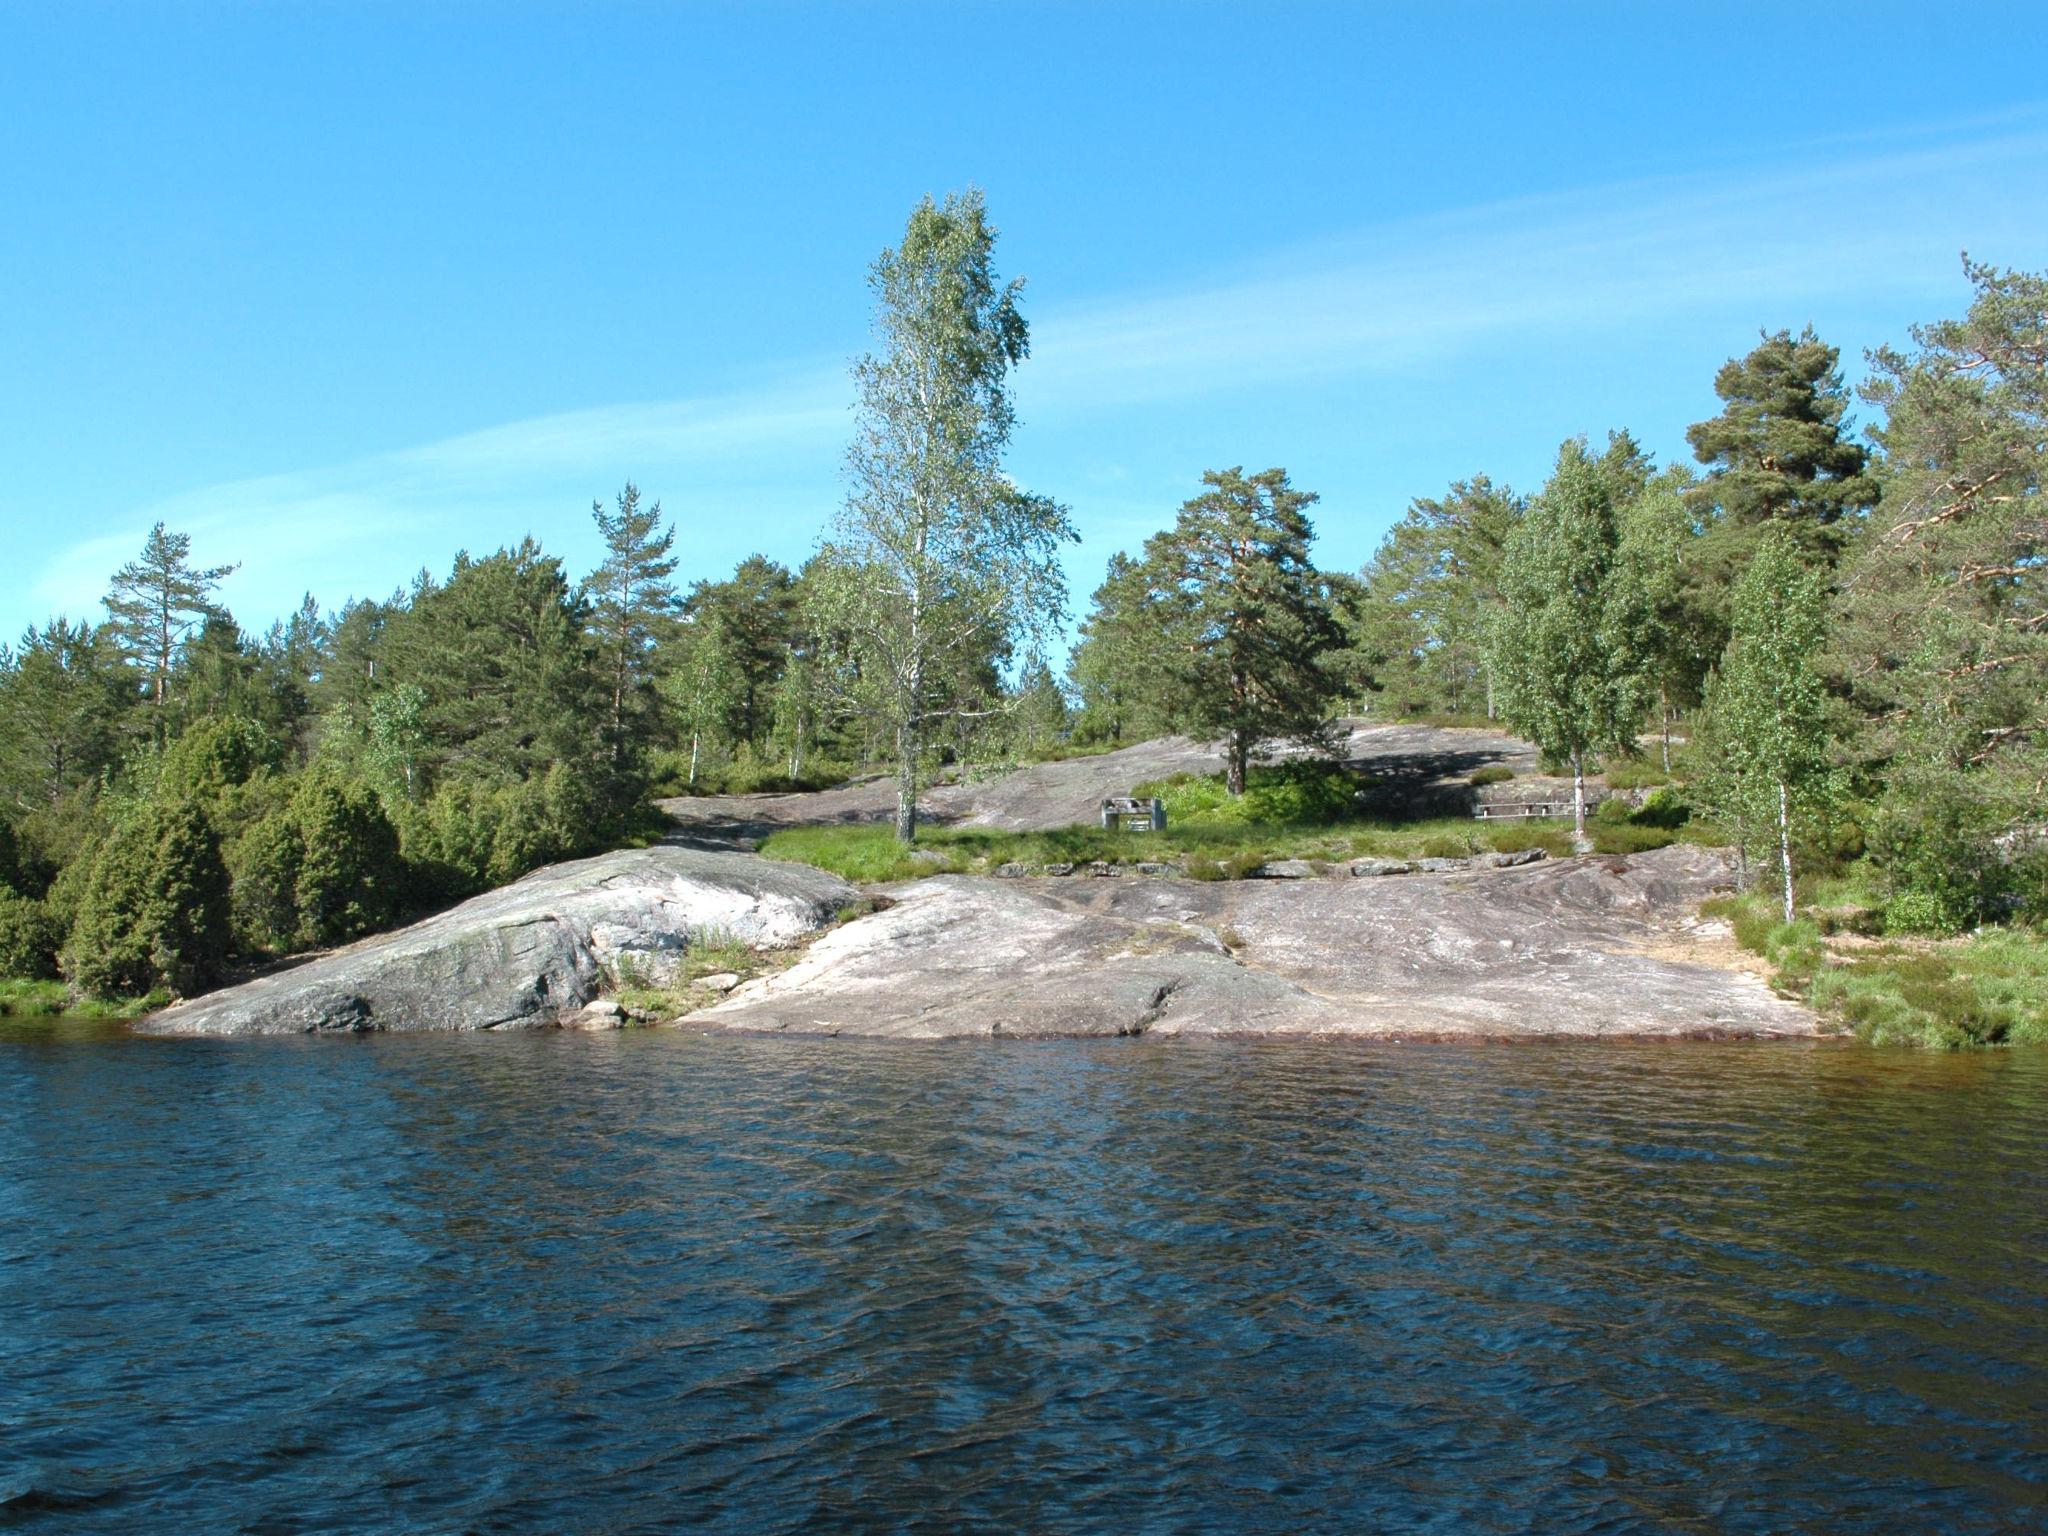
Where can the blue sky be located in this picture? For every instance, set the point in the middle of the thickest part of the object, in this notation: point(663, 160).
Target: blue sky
point(341, 289)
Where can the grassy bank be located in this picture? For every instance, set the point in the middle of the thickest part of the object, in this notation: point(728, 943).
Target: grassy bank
point(22, 997)
point(1986, 988)
point(1215, 851)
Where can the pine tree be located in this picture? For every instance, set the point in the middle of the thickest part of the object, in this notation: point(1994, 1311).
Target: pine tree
point(1429, 590)
point(62, 693)
point(1119, 665)
point(156, 602)
point(1245, 621)
point(1943, 631)
point(629, 599)
point(756, 611)
point(1778, 453)
point(1566, 642)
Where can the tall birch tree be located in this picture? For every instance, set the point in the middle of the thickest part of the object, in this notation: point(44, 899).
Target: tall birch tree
point(1769, 705)
point(1567, 644)
point(936, 555)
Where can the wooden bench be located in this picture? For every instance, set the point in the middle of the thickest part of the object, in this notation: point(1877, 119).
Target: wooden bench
point(1132, 813)
point(1522, 810)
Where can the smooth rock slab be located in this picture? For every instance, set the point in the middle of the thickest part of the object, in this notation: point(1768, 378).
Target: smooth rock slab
point(528, 953)
point(1559, 947)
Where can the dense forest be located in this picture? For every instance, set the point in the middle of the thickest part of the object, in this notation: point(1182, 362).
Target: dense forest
point(1835, 639)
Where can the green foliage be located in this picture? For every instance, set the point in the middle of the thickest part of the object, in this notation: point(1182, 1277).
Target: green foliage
point(1426, 600)
point(1942, 873)
point(1989, 989)
point(1632, 773)
point(155, 602)
point(63, 691)
point(1298, 793)
point(938, 562)
point(1942, 628)
point(1499, 773)
point(1779, 453)
point(1566, 643)
point(29, 938)
point(156, 909)
point(1244, 620)
point(213, 757)
point(629, 600)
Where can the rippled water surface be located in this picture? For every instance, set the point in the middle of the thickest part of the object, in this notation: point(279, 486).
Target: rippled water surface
point(648, 1281)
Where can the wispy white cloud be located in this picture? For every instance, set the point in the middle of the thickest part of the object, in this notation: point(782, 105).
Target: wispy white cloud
point(757, 468)
point(1431, 288)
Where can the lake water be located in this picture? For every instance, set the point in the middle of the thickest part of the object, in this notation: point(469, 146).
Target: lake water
point(568, 1283)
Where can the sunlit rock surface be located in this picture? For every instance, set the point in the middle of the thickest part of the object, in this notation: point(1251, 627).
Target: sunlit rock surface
point(530, 952)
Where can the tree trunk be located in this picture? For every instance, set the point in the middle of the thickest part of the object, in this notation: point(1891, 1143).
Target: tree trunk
point(1580, 842)
point(1664, 710)
point(1785, 843)
point(906, 783)
point(1489, 693)
point(796, 749)
point(1240, 758)
point(696, 740)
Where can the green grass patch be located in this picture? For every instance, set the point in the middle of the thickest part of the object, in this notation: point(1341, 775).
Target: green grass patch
point(1216, 850)
point(1499, 773)
point(1633, 773)
point(31, 998)
point(1988, 989)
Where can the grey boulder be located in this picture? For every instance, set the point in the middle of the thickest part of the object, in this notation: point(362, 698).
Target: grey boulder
point(530, 953)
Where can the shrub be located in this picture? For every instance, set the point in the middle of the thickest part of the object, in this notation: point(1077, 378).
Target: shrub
point(1446, 846)
point(1309, 793)
point(214, 756)
point(1499, 773)
point(1941, 870)
point(1632, 773)
point(156, 908)
point(29, 939)
point(1665, 807)
point(1613, 812)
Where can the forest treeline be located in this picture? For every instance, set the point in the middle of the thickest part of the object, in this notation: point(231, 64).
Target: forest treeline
point(1846, 631)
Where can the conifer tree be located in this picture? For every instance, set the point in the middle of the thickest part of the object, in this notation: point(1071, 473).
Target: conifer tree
point(1245, 621)
point(1778, 453)
point(629, 599)
point(1943, 618)
point(156, 602)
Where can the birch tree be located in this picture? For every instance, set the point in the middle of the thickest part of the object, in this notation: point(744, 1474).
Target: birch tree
point(1567, 642)
point(1770, 706)
point(936, 555)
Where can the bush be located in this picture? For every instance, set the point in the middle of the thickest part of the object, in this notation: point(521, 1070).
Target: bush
point(1665, 807)
point(1294, 794)
point(1499, 773)
point(1445, 846)
point(157, 907)
point(322, 870)
point(1633, 773)
point(213, 757)
point(29, 939)
point(1613, 812)
point(1941, 869)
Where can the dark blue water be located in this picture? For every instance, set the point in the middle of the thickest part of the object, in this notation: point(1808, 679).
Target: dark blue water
point(651, 1281)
